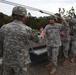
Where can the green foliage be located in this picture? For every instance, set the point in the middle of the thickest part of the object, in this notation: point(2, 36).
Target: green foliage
point(4, 19)
point(33, 22)
point(36, 23)
point(1, 19)
point(7, 19)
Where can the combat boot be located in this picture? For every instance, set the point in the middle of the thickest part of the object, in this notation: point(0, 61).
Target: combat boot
point(72, 56)
point(72, 59)
point(48, 65)
point(64, 62)
point(53, 71)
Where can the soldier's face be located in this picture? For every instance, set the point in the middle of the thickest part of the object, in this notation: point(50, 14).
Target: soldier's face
point(52, 21)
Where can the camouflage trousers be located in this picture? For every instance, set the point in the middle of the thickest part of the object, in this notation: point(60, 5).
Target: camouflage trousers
point(14, 70)
point(74, 47)
point(65, 48)
point(52, 54)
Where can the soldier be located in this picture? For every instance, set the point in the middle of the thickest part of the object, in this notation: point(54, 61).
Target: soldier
point(53, 41)
point(73, 31)
point(65, 39)
point(14, 41)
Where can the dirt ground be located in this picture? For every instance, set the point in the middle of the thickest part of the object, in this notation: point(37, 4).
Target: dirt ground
point(39, 69)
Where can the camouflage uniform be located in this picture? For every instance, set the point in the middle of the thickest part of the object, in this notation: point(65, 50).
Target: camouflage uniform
point(53, 41)
point(74, 38)
point(14, 42)
point(72, 24)
point(65, 41)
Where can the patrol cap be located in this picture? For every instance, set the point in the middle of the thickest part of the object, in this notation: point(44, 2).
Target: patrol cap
point(19, 10)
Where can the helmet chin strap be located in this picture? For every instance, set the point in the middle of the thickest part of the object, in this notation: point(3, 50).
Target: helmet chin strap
point(52, 23)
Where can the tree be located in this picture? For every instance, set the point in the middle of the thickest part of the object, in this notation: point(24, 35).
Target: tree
point(1, 19)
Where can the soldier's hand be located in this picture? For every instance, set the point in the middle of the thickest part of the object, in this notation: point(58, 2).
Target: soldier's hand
point(42, 32)
point(62, 34)
point(63, 19)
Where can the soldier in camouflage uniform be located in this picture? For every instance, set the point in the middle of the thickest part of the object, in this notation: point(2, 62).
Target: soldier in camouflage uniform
point(65, 39)
point(53, 41)
point(14, 42)
point(73, 31)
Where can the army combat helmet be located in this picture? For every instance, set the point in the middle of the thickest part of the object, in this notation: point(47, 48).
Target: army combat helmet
point(53, 17)
point(19, 10)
